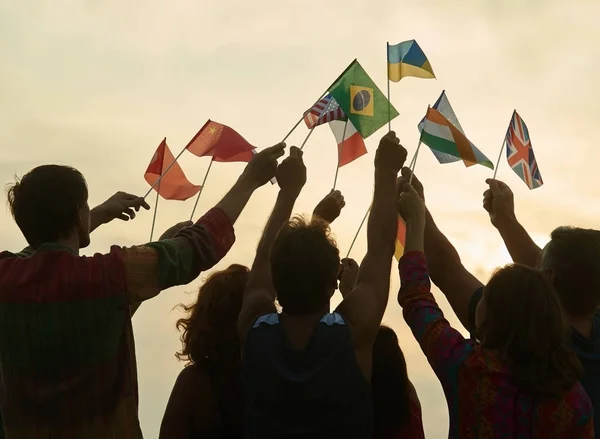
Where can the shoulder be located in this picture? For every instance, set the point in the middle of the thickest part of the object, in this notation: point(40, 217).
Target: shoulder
point(193, 381)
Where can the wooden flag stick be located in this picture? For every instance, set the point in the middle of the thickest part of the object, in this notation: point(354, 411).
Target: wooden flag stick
point(341, 149)
point(320, 97)
point(387, 57)
point(164, 172)
point(358, 231)
point(201, 189)
point(155, 209)
point(499, 157)
point(308, 135)
point(414, 163)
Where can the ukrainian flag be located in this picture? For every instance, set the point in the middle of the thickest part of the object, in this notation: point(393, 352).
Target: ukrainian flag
point(407, 59)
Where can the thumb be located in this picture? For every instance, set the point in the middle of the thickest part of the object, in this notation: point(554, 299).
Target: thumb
point(494, 185)
point(408, 188)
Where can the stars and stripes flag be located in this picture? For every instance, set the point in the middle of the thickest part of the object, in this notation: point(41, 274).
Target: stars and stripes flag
point(326, 110)
point(519, 153)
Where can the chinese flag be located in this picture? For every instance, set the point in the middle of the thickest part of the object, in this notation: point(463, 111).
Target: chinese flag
point(221, 143)
point(174, 185)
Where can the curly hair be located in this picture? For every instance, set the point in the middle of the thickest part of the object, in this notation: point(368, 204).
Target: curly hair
point(525, 323)
point(209, 332)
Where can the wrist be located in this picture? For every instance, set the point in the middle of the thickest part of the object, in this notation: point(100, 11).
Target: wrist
point(289, 194)
point(98, 216)
point(506, 221)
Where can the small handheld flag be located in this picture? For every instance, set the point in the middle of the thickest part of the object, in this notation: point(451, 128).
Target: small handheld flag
point(220, 142)
point(326, 110)
point(519, 152)
point(408, 59)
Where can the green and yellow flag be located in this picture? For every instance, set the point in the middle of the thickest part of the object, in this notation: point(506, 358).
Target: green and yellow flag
point(365, 105)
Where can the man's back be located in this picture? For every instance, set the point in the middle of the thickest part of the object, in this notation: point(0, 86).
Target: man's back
point(319, 391)
point(66, 346)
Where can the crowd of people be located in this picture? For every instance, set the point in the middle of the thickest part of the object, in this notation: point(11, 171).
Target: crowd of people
point(265, 355)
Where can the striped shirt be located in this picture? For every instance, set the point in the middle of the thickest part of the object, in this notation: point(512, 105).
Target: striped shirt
point(483, 401)
point(67, 356)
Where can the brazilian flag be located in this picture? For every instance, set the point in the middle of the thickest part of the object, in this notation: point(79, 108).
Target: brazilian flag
point(365, 105)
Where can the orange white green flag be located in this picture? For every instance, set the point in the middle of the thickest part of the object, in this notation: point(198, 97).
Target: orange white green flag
point(441, 136)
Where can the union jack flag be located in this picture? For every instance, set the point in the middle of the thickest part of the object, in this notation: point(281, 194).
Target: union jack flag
point(326, 110)
point(519, 153)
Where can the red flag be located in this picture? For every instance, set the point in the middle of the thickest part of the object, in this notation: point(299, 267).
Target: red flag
point(174, 185)
point(353, 144)
point(222, 143)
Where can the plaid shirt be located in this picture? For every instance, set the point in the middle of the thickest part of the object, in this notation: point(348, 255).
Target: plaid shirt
point(67, 357)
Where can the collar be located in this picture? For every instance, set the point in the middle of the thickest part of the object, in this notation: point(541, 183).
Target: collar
point(53, 247)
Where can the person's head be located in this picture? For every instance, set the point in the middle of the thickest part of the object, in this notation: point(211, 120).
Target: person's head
point(520, 317)
point(49, 204)
point(572, 261)
point(390, 386)
point(305, 263)
point(209, 332)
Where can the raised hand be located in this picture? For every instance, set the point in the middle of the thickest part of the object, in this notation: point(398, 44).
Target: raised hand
point(348, 275)
point(499, 202)
point(411, 206)
point(263, 166)
point(405, 178)
point(121, 206)
point(330, 207)
point(291, 173)
point(173, 230)
point(390, 155)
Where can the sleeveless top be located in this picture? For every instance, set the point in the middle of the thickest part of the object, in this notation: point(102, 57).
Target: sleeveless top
point(318, 392)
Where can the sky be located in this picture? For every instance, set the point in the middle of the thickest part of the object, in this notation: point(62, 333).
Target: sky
point(98, 84)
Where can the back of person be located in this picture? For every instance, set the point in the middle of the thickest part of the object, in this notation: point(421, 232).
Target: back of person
point(316, 392)
point(66, 346)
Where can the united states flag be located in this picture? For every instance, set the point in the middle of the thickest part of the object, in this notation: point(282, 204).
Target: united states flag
point(326, 110)
point(520, 153)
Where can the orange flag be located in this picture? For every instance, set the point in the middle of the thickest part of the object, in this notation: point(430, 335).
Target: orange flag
point(222, 143)
point(174, 185)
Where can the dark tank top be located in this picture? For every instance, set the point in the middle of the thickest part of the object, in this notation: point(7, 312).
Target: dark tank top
point(319, 392)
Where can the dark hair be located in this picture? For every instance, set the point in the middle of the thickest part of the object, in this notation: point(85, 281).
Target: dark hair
point(305, 263)
point(524, 322)
point(45, 203)
point(573, 255)
point(390, 386)
point(209, 332)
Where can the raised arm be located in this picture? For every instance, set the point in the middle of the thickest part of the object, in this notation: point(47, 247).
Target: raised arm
point(156, 266)
point(499, 202)
point(443, 346)
point(445, 266)
point(363, 308)
point(330, 207)
point(121, 206)
point(259, 295)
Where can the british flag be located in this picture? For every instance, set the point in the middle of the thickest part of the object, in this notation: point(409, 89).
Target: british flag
point(326, 110)
point(519, 153)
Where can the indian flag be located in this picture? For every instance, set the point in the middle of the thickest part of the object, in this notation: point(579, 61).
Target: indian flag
point(400, 239)
point(442, 136)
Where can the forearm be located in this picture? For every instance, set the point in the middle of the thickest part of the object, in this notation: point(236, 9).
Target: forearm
point(414, 235)
point(97, 218)
point(441, 255)
point(234, 202)
point(519, 244)
point(382, 225)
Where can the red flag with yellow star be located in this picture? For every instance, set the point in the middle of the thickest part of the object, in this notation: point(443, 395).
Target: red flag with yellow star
point(221, 143)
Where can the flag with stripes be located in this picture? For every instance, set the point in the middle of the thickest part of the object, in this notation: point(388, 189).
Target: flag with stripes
point(326, 110)
point(519, 153)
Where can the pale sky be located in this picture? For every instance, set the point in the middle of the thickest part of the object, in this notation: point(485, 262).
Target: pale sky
point(97, 85)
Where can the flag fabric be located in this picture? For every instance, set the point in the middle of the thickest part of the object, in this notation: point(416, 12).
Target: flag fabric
point(361, 100)
point(441, 135)
point(350, 144)
point(174, 185)
point(519, 153)
point(407, 59)
point(400, 239)
point(221, 143)
point(443, 106)
point(326, 110)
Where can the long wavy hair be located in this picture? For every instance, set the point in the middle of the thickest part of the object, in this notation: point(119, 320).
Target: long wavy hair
point(209, 331)
point(390, 386)
point(524, 322)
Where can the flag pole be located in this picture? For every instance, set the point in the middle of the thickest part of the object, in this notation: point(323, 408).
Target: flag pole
point(155, 209)
point(340, 149)
point(499, 157)
point(307, 136)
point(201, 189)
point(164, 172)
point(414, 162)
point(358, 231)
point(388, 88)
point(321, 97)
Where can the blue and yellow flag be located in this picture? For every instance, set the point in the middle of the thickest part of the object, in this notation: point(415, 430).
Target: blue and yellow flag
point(407, 59)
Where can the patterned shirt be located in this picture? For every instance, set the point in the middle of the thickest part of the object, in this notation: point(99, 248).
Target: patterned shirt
point(483, 401)
point(67, 357)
